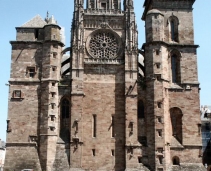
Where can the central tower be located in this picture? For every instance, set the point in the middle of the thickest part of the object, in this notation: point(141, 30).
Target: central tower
point(99, 108)
point(104, 92)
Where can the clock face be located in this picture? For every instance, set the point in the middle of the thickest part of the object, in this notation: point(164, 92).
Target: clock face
point(103, 44)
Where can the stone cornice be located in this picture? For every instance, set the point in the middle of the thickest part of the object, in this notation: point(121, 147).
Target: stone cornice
point(109, 12)
point(103, 61)
point(36, 42)
point(170, 44)
point(192, 145)
point(25, 42)
point(12, 81)
point(12, 144)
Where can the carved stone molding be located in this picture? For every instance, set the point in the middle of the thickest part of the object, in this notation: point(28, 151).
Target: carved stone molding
point(103, 61)
point(104, 44)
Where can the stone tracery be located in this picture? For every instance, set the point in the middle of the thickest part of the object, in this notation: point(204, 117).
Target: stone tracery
point(104, 45)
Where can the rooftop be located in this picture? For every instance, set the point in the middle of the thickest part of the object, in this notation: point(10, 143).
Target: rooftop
point(37, 21)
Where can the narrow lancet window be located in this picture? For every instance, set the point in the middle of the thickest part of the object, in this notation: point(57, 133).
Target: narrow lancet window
point(176, 123)
point(94, 124)
point(93, 152)
point(173, 31)
point(112, 126)
point(65, 109)
point(175, 68)
point(141, 110)
point(173, 28)
point(65, 121)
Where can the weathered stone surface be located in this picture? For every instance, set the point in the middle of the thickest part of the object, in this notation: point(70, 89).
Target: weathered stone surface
point(188, 167)
point(61, 161)
point(20, 157)
point(98, 113)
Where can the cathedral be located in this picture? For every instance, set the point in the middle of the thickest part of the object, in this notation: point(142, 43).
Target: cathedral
point(102, 103)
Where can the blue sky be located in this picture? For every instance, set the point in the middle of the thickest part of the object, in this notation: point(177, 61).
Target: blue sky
point(14, 13)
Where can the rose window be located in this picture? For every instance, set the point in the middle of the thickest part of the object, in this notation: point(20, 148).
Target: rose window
point(104, 45)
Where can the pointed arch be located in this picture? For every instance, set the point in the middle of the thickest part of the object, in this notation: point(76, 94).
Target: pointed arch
point(173, 22)
point(65, 119)
point(141, 112)
point(65, 108)
point(175, 56)
point(176, 123)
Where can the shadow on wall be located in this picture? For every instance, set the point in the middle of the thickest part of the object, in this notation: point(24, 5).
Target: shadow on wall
point(207, 155)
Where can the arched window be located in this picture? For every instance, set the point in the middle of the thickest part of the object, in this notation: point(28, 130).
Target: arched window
point(173, 31)
point(65, 120)
point(175, 160)
point(65, 109)
point(175, 67)
point(141, 109)
point(176, 123)
point(173, 28)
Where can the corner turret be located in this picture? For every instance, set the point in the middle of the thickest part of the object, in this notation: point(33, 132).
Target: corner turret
point(52, 30)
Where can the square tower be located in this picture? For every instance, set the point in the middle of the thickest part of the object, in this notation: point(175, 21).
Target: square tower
point(101, 107)
point(172, 87)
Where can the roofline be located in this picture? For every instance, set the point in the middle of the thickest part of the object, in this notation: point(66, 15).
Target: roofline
point(28, 28)
point(146, 6)
point(38, 27)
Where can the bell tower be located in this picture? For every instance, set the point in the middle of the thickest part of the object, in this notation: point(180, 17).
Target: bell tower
point(172, 87)
point(104, 90)
point(104, 4)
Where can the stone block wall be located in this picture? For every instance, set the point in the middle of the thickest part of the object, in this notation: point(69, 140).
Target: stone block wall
point(23, 124)
point(25, 56)
point(188, 102)
point(104, 98)
point(185, 25)
point(62, 157)
point(27, 34)
point(104, 132)
point(22, 157)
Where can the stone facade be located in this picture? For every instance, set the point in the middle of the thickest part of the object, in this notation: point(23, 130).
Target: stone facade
point(2, 154)
point(100, 108)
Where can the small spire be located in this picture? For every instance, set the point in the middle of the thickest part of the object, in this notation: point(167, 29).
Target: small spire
point(47, 17)
point(47, 14)
point(52, 20)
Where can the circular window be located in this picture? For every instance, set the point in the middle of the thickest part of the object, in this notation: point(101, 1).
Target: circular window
point(103, 44)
